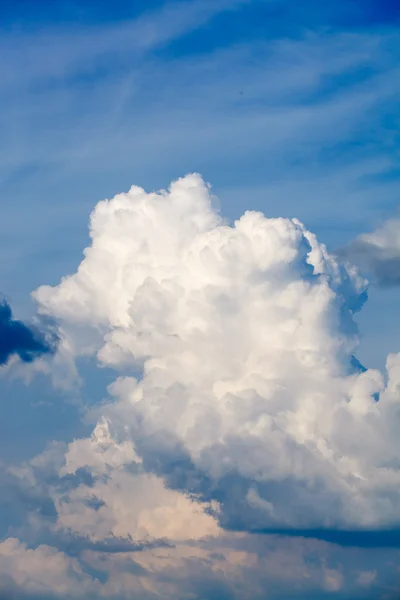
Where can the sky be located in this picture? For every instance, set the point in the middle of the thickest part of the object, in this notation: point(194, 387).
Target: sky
point(200, 280)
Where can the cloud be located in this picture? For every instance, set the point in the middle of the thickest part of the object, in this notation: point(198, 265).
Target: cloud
point(304, 109)
point(73, 544)
point(78, 51)
point(91, 484)
point(230, 566)
point(40, 572)
point(378, 253)
point(250, 396)
point(17, 338)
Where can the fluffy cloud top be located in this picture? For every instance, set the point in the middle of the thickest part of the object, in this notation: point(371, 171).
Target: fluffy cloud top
point(249, 394)
point(17, 338)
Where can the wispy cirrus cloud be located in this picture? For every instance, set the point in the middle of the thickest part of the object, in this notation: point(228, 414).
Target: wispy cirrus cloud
point(85, 51)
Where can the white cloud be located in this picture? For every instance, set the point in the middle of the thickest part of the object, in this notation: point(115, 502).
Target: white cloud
point(246, 338)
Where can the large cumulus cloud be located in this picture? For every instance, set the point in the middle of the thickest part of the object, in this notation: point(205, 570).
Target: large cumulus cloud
point(244, 389)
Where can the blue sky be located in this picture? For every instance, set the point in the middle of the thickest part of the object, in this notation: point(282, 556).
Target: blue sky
point(290, 108)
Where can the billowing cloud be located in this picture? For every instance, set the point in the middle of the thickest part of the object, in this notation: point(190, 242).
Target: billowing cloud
point(244, 393)
point(17, 338)
point(378, 253)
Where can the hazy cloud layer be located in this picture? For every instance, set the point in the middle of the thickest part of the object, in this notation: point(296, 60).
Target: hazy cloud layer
point(76, 554)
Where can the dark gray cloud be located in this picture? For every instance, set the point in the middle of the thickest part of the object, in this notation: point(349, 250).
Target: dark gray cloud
point(74, 544)
point(374, 262)
point(377, 254)
point(17, 338)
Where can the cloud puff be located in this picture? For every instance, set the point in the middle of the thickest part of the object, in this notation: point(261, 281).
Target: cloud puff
point(40, 572)
point(17, 338)
point(378, 253)
point(106, 510)
point(250, 397)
